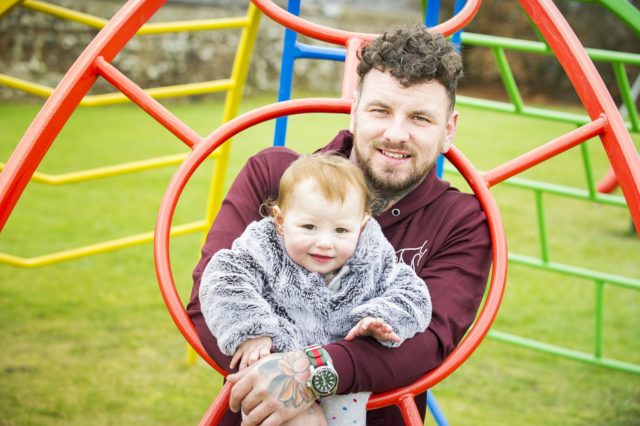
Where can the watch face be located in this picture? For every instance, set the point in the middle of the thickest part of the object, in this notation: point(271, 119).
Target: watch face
point(324, 380)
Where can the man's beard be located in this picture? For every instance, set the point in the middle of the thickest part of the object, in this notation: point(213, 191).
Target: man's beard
point(388, 189)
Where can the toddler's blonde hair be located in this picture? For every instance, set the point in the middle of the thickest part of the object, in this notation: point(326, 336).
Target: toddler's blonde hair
point(334, 174)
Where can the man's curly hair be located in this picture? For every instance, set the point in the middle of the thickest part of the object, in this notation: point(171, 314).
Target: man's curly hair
point(413, 55)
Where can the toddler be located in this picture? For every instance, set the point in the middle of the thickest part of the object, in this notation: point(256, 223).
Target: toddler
point(316, 270)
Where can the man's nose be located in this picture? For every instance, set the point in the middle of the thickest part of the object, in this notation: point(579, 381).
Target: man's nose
point(397, 131)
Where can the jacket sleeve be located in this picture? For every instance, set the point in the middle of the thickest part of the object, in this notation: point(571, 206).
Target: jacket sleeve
point(402, 299)
point(233, 283)
point(255, 183)
point(456, 276)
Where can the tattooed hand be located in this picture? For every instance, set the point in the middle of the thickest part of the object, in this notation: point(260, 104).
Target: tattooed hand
point(273, 390)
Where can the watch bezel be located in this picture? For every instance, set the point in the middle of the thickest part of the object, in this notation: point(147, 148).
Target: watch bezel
point(316, 372)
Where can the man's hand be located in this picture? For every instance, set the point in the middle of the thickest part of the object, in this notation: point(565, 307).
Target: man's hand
point(250, 351)
point(273, 390)
point(373, 327)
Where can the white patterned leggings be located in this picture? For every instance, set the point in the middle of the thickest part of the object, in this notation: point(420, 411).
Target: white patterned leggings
point(343, 410)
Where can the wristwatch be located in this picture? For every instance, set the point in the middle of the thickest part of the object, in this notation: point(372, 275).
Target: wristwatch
point(324, 378)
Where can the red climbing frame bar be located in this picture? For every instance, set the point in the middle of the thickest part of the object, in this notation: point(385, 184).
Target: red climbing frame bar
point(216, 410)
point(74, 86)
point(154, 108)
point(350, 74)
point(410, 413)
point(546, 151)
point(340, 37)
point(608, 182)
point(300, 106)
point(594, 96)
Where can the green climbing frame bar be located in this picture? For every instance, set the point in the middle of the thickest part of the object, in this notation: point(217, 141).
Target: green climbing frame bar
point(545, 263)
point(620, 62)
point(500, 45)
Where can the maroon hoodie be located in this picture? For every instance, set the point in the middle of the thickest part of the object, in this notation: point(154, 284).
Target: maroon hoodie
point(439, 231)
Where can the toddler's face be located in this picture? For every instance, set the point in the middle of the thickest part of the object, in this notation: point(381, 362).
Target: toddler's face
point(320, 235)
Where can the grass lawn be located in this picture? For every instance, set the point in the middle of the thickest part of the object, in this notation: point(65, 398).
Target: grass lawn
point(90, 342)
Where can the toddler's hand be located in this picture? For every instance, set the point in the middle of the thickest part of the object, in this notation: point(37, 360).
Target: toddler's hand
point(373, 327)
point(250, 351)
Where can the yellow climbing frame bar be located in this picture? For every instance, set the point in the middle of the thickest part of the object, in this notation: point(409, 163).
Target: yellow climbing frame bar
point(110, 171)
point(232, 103)
point(25, 86)
point(155, 28)
point(102, 247)
point(186, 89)
point(233, 86)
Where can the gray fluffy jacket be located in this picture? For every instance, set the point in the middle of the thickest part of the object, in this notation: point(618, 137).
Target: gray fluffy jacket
point(256, 290)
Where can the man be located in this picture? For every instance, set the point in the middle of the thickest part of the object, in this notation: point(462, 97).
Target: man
point(401, 120)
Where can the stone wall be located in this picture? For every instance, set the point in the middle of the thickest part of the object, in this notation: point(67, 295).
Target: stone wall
point(40, 48)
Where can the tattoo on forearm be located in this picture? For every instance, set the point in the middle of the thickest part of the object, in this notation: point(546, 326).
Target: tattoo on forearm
point(290, 380)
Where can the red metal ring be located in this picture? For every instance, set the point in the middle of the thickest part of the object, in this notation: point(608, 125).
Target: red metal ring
point(268, 112)
point(340, 37)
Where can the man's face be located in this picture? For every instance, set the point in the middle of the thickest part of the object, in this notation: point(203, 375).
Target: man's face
point(399, 131)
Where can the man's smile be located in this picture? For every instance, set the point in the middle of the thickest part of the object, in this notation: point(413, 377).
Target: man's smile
point(396, 155)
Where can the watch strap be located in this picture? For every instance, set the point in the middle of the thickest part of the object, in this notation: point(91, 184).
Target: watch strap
point(321, 366)
point(318, 356)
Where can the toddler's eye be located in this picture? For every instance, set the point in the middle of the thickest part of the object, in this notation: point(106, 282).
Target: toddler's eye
point(341, 230)
point(309, 227)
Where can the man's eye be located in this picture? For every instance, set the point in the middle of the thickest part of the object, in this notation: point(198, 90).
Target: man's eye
point(341, 230)
point(309, 227)
point(421, 119)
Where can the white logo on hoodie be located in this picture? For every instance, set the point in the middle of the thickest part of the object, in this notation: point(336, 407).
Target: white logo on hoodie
point(412, 256)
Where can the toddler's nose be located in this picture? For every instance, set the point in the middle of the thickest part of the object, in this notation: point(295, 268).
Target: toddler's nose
point(324, 242)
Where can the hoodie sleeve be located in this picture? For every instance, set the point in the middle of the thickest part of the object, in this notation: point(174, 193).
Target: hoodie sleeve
point(402, 299)
point(231, 291)
point(456, 273)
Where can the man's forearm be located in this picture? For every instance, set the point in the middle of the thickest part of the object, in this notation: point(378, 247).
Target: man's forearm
point(366, 365)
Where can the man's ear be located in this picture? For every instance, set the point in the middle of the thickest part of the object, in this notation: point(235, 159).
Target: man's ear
point(278, 219)
point(450, 132)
